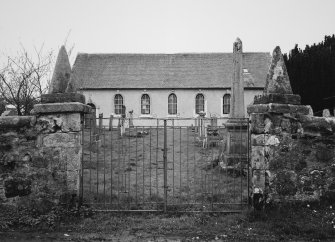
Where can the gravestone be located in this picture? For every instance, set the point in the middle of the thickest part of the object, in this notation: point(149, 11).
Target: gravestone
point(131, 119)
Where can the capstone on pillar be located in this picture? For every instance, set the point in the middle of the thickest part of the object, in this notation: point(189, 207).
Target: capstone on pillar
point(62, 72)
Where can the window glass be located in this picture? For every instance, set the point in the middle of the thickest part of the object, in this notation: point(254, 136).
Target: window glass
point(199, 103)
point(172, 104)
point(145, 104)
point(226, 104)
point(118, 103)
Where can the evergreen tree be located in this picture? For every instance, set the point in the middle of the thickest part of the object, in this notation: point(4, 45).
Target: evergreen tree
point(312, 74)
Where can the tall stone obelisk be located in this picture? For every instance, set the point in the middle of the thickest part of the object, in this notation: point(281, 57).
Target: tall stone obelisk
point(237, 97)
point(237, 125)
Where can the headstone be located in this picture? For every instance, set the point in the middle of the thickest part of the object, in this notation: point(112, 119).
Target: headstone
point(202, 133)
point(326, 113)
point(123, 120)
point(61, 74)
point(131, 122)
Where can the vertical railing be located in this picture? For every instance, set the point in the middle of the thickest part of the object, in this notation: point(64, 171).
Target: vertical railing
point(193, 178)
point(165, 166)
point(81, 188)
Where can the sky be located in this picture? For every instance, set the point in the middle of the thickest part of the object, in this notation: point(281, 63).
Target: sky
point(162, 26)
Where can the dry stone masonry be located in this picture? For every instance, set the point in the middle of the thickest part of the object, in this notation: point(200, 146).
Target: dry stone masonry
point(293, 152)
point(61, 74)
point(40, 155)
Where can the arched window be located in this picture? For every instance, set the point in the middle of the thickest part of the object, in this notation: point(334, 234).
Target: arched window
point(199, 103)
point(226, 104)
point(172, 104)
point(145, 104)
point(118, 103)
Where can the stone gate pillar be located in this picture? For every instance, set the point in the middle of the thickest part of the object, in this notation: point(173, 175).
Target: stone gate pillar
point(274, 120)
point(60, 120)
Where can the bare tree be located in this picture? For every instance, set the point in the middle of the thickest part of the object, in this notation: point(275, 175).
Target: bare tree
point(24, 78)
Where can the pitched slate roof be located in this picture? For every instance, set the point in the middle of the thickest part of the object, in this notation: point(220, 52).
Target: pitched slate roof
point(203, 70)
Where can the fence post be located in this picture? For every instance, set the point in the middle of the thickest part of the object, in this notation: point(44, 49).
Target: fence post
point(165, 166)
point(100, 125)
point(110, 123)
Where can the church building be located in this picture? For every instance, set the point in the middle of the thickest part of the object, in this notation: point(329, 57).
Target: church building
point(166, 85)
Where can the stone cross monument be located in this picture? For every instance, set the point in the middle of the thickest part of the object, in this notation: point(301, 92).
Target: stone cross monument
point(237, 97)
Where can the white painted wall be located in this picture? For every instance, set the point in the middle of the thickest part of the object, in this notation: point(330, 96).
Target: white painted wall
point(104, 101)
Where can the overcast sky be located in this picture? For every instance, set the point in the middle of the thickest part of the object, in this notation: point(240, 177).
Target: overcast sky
point(163, 26)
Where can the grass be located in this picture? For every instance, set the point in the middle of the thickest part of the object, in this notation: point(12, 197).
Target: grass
point(287, 222)
point(127, 172)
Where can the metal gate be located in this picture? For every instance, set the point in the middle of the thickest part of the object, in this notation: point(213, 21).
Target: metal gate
point(165, 165)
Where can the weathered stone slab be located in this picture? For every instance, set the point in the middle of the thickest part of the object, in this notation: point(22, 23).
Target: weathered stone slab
point(263, 140)
point(316, 126)
point(65, 122)
point(62, 97)
point(66, 140)
point(300, 109)
point(277, 98)
point(257, 122)
point(272, 140)
point(258, 139)
point(74, 107)
point(258, 179)
point(278, 108)
point(73, 158)
point(258, 158)
point(9, 122)
point(277, 80)
point(72, 178)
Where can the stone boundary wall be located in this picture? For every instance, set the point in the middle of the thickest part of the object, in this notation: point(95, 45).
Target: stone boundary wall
point(40, 156)
point(293, 155)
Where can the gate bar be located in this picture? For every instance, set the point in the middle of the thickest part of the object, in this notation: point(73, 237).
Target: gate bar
point(165, 166)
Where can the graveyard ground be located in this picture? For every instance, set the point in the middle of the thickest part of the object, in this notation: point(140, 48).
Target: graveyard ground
point(122, 172)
